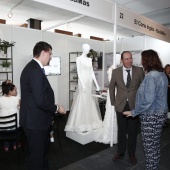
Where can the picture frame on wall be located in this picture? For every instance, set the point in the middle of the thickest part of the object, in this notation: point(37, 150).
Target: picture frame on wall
point(54, 67)
point(98, 61)
point(97, 67)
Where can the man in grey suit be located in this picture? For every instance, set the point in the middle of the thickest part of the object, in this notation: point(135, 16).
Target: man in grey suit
point(126, 81)
point(37, 106)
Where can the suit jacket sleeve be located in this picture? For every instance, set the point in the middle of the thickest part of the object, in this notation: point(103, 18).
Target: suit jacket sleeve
point(112, 89)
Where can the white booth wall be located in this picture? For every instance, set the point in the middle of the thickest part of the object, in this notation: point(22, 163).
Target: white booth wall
point(5, 32)
point(22, 51)
point(26, 38)
point(133, 43)
point(141, 43)
point(63, 44)
point(162, 47)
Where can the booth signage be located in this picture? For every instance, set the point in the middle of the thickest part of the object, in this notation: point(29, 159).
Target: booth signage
point(91, 8)
point(141, 24)
point(86, 3)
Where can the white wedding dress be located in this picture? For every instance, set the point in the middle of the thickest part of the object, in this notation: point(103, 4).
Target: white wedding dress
point(85, 114)
point(108, 133)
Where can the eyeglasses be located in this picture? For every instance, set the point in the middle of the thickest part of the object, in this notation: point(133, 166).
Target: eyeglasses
point(49, 52)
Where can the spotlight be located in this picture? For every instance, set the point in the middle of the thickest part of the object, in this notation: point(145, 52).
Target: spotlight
point(10, 14)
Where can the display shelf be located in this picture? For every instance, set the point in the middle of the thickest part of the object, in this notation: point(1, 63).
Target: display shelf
point(72, 74)
point(7, 74)
point(73, 81)
point(73, 71)
point(3, 58)
point(73, 90)
point(5, 71)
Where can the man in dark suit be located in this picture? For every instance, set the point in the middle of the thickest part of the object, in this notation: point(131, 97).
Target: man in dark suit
point(126, 81)
point(37, 106)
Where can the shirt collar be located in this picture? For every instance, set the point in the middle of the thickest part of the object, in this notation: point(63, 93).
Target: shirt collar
point(40, 64)
point(124, 68)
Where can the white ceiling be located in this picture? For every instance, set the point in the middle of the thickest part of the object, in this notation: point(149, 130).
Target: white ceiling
point(157, 10)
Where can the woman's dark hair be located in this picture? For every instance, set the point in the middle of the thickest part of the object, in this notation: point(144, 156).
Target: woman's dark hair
point(39, 47)
point(168, 65)
point(151, 61)
point(6, 87)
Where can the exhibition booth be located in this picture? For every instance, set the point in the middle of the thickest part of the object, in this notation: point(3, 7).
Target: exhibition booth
point(128, 30)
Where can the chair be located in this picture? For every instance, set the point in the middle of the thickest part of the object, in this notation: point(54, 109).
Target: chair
point(9, 130)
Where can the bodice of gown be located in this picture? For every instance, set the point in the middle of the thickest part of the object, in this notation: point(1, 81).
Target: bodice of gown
point(85, 65)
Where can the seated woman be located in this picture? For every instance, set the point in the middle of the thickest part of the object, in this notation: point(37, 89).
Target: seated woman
point(9, 104)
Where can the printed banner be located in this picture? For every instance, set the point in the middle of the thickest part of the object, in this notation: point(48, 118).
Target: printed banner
point(141, 24)
point(91, 8)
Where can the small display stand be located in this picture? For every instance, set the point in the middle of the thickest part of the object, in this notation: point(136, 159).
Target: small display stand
point(83, 138)
point(86, 137)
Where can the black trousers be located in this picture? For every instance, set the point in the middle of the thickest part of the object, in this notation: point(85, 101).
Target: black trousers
point(38, 141)
point(127, 132)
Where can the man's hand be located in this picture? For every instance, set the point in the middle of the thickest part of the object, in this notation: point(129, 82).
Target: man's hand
point(61, 110)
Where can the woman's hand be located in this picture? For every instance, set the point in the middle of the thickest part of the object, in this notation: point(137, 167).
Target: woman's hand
point(127, 113)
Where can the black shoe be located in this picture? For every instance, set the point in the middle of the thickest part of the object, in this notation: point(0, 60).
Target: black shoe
point(117, 156)
point(165, 125)
point(133, 159)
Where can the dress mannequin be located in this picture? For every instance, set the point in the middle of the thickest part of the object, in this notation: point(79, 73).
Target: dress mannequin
point(85, 114)
point(86, 49)
point(108, 133)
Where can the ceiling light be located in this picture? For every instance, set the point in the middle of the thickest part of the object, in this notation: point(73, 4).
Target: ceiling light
point(10, 14)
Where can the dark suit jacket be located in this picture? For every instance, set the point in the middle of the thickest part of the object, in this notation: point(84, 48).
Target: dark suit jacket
point(37, 98)
point(119, 99)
